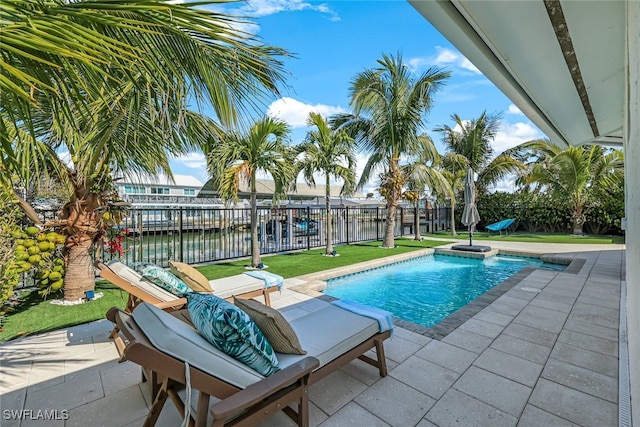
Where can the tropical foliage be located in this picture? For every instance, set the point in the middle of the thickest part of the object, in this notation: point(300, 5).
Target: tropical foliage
point(454, 172)
point(10, 268)
point(95, 89)
point(471, 140)
point(423, 174)
point(576, 175)
point(330, 152)
point(389, 106)
point(240, 157)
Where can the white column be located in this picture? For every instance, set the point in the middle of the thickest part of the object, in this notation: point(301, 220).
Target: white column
point(632, 199)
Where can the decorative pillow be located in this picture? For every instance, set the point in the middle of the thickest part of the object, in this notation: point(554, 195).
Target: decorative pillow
point(192, 277)
point(278, 331)
point(161, 277)
point(232, 331)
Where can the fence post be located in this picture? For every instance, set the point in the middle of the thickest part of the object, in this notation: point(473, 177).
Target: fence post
point(401, 221)
point(377, 223)
point(346, 222)
point(307, 229)
point(180, 236)
point(140, 235)
point(433, 214)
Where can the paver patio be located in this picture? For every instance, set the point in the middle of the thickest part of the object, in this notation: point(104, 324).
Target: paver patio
point(543, 353)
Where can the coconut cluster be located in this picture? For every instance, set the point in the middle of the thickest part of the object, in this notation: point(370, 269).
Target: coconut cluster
point(39, 252)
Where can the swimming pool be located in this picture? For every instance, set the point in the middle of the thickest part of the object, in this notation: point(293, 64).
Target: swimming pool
point(427, 289)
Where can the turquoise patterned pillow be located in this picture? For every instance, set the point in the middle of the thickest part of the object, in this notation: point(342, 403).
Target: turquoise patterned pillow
point(163, 278)
point(232, 331)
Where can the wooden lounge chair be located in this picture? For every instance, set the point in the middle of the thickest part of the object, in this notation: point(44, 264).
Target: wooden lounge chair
point(161, 343)
point(127, 279)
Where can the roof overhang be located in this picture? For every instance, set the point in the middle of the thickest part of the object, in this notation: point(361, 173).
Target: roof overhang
point(561, 62)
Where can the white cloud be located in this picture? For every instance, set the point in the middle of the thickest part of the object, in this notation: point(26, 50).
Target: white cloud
point(295, 112)
point(444, 58)
point(514, 110)
point(450, 57)
point(258, 8)
point(416, 63)
point(192, 161)
point(505, 185)
point(511, 135)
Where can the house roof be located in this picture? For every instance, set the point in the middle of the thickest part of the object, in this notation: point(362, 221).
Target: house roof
point(266, 189)
point(561, 62)
point(163, 180)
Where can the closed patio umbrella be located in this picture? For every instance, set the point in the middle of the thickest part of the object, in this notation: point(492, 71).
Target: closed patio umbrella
point(470, 215)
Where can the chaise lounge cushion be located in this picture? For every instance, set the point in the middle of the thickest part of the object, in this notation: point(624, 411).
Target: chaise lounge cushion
point(182, 341)
point(192, 277)
point(328, 333)
point(231, 330)
point(136, 279)
point(278, 331)
point(161, 277)
point(325, 333)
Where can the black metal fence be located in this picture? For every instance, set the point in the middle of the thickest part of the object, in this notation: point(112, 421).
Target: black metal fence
point(199, 235)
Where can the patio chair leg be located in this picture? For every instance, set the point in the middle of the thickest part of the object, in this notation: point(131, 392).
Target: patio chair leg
point(158, 403)
point(303, 406)
point(203, 410)
point(177, 401)
point(267, 299)
point(382, 361)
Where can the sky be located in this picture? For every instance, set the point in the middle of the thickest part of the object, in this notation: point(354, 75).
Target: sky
point(332, 41)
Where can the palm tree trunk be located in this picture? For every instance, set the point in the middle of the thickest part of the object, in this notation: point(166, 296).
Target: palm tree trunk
point(394, 192)
point(255, 242)
point(453, 219)
point(390, 225)
point(578, 221)
point(329, 227)
point(79, 273)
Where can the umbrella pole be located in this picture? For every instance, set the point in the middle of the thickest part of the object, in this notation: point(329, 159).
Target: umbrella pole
point(470, 235)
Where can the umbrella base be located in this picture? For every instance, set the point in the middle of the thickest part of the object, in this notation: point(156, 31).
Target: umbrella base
point(471, 248)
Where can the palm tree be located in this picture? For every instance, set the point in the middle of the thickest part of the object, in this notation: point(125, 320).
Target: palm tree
point(330, 152)
point(389, 105)
point(240, 156)
point(574, 175)
point(472, 139)
point(469, 143)
point(109, 83)
point(57, 54)
point(422, 171)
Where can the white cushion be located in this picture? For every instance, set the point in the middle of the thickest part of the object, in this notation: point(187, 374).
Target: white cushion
point(183, 342)
point(133, 277)
point(235, 285)
point(329, 332)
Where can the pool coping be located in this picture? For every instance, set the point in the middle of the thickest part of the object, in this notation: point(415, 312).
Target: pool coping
point(315, 283)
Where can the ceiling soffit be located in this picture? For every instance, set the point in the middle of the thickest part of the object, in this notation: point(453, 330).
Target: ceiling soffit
point(561, 63)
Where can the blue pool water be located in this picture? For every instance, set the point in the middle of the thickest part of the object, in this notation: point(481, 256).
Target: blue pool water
point(428, 289)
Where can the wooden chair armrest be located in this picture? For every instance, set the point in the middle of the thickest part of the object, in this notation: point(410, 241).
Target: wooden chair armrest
point(261, 390)
point(171, 304)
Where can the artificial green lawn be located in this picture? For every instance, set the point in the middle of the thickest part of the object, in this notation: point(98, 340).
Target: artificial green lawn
point(34, 316)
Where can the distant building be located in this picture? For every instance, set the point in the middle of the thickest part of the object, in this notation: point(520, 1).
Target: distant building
point(304, 194)
point(160, 191)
